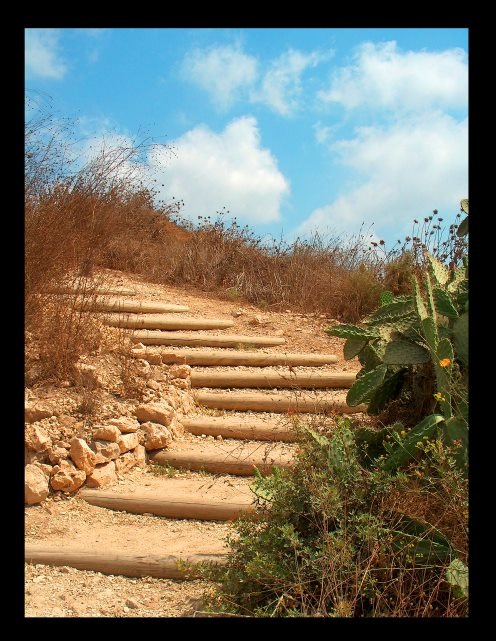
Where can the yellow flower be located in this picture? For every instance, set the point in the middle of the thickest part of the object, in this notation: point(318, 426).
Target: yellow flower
point(439, 397)
point(445, 362)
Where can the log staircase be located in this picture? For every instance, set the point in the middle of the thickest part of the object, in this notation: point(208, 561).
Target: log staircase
point(250, 412)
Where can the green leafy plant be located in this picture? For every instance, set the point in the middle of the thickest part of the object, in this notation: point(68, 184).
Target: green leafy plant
point(415, 349)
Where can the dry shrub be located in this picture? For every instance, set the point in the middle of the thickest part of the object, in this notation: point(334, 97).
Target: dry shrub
point(71, 212)
point(336, 276)
point(132, 381)
point(63, 334)
point(398, 273)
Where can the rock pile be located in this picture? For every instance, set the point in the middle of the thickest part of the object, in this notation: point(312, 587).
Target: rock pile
point(113, 447)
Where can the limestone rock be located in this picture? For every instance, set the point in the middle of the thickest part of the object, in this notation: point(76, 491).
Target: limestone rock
point(180, 371)
point(82, 455)
point(102, 475)
point(176, 428)
point(158, 374)
point(143, 366)
point(257, 320)
point(133, 605)
point(140, 456)
point(35, 485)
point(67, 421)
point(87, 376)
point(156, 436)
point(126, 424)
point(128, 442)
point(125, 462)
point(158, 412)
point(30, 456)
point(107, 433)
point(180, 383)
point(67, 477)
point(173, 398)
point(37, 411)
point(57, 454)
point(105, 451)
point(153, 358)
point(187, 404)
point(36, 438)
point(46, 469)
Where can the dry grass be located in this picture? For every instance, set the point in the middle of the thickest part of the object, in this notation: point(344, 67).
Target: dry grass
point(325, 276)
point(70, 215)
point(339, 277)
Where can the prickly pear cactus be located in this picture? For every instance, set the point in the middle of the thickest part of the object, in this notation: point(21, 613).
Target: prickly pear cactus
point(404, 352)
point(439, 273)
point(365, 386)
point(353, 331)
point(463, 227)
point(424, 335)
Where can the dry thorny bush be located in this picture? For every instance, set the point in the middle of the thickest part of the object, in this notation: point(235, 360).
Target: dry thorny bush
point(72, 209)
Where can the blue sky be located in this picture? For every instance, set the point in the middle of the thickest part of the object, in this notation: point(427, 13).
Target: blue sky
point(291, 130)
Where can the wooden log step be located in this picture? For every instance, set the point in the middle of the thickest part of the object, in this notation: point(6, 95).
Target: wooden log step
point(296, 402)
point(203, 340)
point(108, 304)
point(175, 506)
point(220, 458)
point(274, 378)
point(222, 357)
point(159, 321)
point(255, 429)
point(164, 566)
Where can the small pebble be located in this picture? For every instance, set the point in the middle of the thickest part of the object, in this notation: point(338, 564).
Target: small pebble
point(131, 604)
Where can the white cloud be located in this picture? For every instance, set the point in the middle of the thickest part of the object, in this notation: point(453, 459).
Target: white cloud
point(212, 170)
point(405, 170)
point(227, 73)
point(205, 169)
point(222, 71)
point(42, 55)
point(384, 77)
point(281, 86)
point(322, 132)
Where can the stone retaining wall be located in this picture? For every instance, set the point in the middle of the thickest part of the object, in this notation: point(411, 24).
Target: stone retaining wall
point(112, 448)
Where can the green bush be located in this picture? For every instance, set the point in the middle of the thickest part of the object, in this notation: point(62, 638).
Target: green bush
point(334, 539)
